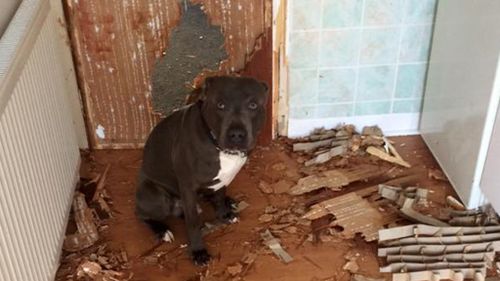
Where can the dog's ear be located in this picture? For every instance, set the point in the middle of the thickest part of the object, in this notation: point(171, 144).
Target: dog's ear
point(266, 88)
point(206, 85)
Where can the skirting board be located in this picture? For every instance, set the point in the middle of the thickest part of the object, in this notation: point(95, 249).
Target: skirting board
point(391, 124)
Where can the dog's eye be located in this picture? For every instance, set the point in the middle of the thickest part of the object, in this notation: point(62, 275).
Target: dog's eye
point(252, 105)
point(221, 105)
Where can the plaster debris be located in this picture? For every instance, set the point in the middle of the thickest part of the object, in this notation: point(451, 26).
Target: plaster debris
point(437, 174)
point(353, 213)
point(100, 132)
point(335, 179)
point(417, 251)
point(275, 246)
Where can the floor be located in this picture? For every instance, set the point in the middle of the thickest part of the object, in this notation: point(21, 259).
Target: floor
point(319, 259)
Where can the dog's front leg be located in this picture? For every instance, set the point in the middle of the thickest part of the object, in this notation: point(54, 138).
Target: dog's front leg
point(199, 253)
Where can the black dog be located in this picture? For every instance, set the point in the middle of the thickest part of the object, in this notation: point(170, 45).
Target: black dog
point(195, 153)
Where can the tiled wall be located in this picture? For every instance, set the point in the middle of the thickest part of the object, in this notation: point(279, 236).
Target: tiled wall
point(357, 57)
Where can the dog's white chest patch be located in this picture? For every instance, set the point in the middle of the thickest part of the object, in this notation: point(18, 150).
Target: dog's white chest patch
point(230, 165)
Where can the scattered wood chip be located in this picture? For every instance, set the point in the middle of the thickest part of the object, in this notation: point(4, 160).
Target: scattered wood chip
point(88, 268)
point(100, 183)
point(355, 143)
point(265, 187)
point(266, 218)
point(249, 258)
point(437, 174)
point(279, 166)
point(270, 209)
point(291, 229)
point(372, 131)
point(454, 203)
point(275, 246)
point(335, 179)
point(282, 186)
point(386, 157)
point(351, 266)
point(235, 269)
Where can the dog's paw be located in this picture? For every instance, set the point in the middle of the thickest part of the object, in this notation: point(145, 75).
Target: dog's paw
point(230, 218)
point(231, 203)
point(168, 237)
point(200, 257)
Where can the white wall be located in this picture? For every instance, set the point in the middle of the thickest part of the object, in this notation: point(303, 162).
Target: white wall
point(7, 10)
point(460, 100)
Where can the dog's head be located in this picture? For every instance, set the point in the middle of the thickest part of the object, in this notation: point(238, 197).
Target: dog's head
point(235, 110)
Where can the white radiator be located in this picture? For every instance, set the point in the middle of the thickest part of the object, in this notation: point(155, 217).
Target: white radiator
point(39, 155)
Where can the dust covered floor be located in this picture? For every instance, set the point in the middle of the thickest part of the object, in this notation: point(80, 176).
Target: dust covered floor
point(320, 256)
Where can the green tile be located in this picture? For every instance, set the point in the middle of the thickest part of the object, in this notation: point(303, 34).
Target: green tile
point(420, 11)
point(383, 12)
point(303, 87)
point(375, 83)
point(342, 13)
point(304, 14)
point(411, 80)
point(303, 112)
point(337, 85)
point(372, 108)
point(339, 48)
point(334, 110)
point(407, 106)
point(379, 45)
point(304, 47)
point(415, 43)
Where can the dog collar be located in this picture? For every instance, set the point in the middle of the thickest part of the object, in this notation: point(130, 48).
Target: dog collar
point(207, 128)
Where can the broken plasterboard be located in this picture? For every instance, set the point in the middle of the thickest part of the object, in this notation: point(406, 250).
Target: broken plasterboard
point(353, 213)
point(335, 179)
point(406, 199)
point(456, 274)
point(87, 233)
point(275, 246)
point(419, 249)
point(326, 156)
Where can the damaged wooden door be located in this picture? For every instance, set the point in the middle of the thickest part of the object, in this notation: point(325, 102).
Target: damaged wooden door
point(116, 44)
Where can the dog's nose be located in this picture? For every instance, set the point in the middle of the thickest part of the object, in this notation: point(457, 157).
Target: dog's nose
point(237, 136)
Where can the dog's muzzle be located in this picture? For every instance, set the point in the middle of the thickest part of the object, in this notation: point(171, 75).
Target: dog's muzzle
point(237, 137)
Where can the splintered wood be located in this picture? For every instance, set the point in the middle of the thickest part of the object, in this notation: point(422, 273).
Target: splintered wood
point(335, 179)
point(353, 213)
point(422, 252)
point(387, 157)
point(87, 233)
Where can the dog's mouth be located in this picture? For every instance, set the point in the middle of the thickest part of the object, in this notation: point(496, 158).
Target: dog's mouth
point(236, 139)
point(232, 148)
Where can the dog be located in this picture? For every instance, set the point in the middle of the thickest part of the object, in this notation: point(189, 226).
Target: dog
point(195, 153)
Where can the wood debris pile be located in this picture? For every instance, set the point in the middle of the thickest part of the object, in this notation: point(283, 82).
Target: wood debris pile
point(87, 256)
point(433, 250)
point(323, 145)
point(455, 214)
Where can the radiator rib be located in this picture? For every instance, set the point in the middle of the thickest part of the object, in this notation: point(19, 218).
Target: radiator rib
point(39, 155)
